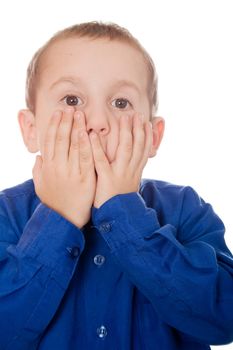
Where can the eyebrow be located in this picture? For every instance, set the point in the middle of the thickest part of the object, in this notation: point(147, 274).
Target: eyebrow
point(123, 82)
point(76, 81)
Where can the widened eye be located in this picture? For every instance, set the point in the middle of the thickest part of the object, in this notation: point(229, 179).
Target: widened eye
point(71, 100)
point(121, 103)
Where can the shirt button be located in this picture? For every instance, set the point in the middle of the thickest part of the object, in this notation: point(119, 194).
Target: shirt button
point(105, 227)
point(99, 260)
point(102, 332)
point(74, 251)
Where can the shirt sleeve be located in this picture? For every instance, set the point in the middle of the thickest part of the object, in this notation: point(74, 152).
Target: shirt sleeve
point(34, 275)
point(184, 270)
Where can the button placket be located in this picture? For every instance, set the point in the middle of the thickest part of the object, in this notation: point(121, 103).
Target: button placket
point(99, 260)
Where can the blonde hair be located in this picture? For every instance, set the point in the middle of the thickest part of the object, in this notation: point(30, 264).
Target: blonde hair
point(93, 30)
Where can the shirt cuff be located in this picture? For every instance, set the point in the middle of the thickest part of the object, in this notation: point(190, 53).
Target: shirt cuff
point(51, 240)
point(128, 215)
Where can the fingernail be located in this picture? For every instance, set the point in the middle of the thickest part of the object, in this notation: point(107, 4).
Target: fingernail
point(78, 116)
point(69, 110)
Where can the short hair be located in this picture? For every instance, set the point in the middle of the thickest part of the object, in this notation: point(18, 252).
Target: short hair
point(95, 30)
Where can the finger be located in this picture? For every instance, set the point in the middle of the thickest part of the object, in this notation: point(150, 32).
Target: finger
point(86, 161)
point(125, 147)
point(62, 143)
point(78, 126)
point(50, 136)
point(138, 141)
point(36, 169)
point(148, 143)
point(100, 159)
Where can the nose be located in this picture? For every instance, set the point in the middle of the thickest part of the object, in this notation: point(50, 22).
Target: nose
point(97, 121)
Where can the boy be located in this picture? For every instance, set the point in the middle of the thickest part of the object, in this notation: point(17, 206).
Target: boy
point(91, 255)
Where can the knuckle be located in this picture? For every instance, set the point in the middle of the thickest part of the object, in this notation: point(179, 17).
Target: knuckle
point(85, 156)
point(128, 147)
point(139, 137)
point(82, 138)
point(140, 143)
point(74, 139)
point(60, 137)
point(74, 144)
point(49, 135)
point(48, 139)
point(54, 120)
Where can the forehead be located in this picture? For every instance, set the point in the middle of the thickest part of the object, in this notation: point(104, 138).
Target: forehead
point(94, 58)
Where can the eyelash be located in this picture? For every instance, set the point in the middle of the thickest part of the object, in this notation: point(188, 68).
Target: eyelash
point(121, 99)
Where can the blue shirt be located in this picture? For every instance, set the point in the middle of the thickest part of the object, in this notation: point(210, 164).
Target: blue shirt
point(150, 270)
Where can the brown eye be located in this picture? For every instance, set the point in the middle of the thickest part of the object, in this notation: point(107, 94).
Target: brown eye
point(121, 103)
point(71, 100)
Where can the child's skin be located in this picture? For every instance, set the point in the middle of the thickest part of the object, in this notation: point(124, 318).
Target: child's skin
point(95, 149)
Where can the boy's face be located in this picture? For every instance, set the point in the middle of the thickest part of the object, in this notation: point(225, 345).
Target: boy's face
point(103, 78)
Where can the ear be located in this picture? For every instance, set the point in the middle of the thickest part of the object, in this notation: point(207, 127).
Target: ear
point(158, 126)
point(27, 125)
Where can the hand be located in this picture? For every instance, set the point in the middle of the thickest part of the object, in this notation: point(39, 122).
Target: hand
point(65, 178)
point(123, 175)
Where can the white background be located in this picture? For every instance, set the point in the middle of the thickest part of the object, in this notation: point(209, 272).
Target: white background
point(191, 44)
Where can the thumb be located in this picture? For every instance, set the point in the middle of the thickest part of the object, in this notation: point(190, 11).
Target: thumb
point(37, 167)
